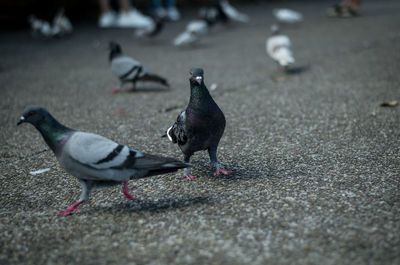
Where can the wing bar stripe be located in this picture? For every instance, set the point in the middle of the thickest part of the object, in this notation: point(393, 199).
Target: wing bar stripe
point(111, 155)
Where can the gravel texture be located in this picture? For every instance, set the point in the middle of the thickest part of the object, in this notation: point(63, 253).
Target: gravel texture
point(315, 158)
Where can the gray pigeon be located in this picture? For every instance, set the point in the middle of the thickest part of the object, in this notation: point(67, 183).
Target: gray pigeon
point(129, 70)
point(200, 126)
point(94, 159)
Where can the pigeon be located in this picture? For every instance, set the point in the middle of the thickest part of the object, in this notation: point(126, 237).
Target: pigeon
point(129, 70)
point(232, 13)
point(193, 32)
point(208, 17)
point(40, 27)
point(200, 126)
point(278, 48)
point(61, 24)
point(285, 15)
point(153, 29)
point(213, 14)
point(95, 160)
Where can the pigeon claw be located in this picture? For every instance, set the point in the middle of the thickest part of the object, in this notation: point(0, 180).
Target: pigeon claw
point(71, 209)
point(68, 212)
point(188, 177)
point(223, 171)
point(114, 91)
point(125, 191)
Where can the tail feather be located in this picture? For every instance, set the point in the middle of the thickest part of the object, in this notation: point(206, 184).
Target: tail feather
point(155, 78)
point(156, 165)
point(167, 168)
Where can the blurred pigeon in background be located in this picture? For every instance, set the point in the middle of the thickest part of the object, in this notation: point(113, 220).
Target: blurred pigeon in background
point(193, 32)
point(285, 15)
point(278, 48)
point(200, 126)
point(221, 12)
point(40, 27)
point(95, 160)
point(232, 13)
point(61, 26)
point(153, 29)
point(129, 70)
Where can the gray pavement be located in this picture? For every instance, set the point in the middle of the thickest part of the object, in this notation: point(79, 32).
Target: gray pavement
point(315, 158)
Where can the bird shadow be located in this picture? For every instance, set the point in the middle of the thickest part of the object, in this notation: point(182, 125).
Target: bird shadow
point(153, 206)
point(297, 69)
point(237, 172)
point(148, 89)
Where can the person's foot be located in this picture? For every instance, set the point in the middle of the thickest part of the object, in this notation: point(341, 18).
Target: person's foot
point(160, 12)
point(107, 20)
point(133, 19)
point(173, 14)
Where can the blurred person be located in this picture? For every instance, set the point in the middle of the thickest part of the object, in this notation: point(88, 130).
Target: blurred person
point(128, 17)
point(169, 11)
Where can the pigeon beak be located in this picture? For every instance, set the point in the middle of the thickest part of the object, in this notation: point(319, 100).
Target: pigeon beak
point(21, 120)
point(198, 79)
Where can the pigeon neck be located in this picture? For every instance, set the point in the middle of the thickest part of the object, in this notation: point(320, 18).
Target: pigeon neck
point(54, 133)
point(199, 94)
point(114, 54)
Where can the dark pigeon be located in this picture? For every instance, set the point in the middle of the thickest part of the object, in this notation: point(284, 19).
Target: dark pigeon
point(200, 126)
point(129, 70)
point(95, 160)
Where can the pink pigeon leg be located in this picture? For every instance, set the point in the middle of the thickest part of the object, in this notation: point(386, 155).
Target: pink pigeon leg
point(125, 191)
point(223, 171)
point(114, 91)
point(71, 209)
point(188, 177)
point(133, 88)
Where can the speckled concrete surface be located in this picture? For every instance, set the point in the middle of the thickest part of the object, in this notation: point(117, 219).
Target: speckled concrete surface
point(315, 158)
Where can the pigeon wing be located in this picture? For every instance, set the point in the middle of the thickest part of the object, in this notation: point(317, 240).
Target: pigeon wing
point(177, 132)
point(125, 67)
point(98, 152)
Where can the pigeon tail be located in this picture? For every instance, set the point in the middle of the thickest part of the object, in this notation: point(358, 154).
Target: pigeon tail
point(155, 165)
point(167, 168)
point(154, 78)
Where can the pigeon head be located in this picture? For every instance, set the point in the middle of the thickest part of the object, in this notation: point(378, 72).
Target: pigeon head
point(33, 115)
point(115, 49)
point(196, 76)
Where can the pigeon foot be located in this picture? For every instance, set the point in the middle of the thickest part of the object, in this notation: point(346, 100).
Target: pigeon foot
point(70, 209)
point(188, 177)
point(114, 91)
point(223, 171)
point(132, 89)
point(125, 191)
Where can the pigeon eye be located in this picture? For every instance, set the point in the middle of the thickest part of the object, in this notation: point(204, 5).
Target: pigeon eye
point(31, 113)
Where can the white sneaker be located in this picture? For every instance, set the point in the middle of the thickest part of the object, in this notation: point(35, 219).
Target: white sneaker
point(173, 14)
point(107, 20)
point(133, 19)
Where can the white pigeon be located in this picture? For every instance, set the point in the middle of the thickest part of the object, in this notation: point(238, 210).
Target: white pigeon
point(232, 13)
point(193, 32)
point(93, 159)
point(278, 48)
point(61, 24)
point(285, 15)
point(40, 27)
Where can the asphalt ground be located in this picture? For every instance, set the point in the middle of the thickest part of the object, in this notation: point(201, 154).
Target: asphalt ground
point(315, 158)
